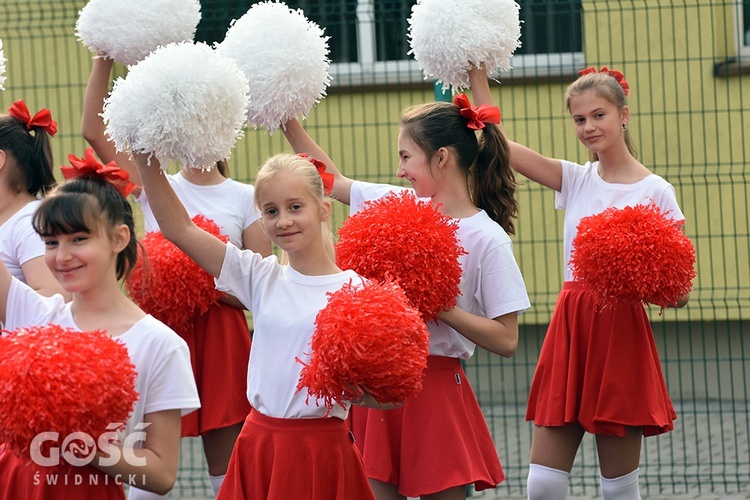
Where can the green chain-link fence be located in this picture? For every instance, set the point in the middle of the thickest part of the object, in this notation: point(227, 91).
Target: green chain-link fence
point(688, 64)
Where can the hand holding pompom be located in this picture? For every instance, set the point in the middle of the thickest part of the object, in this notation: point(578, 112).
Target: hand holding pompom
point(447, 38)
point(54, 379)
point(634, 254)
point(285, 58)
point(184, 102)
point(399, 237)
point(171, 286)
point(129, 30)
point(368, 336)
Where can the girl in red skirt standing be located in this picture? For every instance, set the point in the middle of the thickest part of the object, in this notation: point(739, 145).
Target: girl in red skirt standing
point(290, 445)
point(219, 340)
point(438, 442)
point(598, 370)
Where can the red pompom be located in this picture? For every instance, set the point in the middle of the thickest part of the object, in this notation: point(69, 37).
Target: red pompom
point(399, 237)
point(171, 286)
point(368, 337)
point(55, 379)
point(634, 254)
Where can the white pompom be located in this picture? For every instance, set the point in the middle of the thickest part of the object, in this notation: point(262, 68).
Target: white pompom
point(447, 38)
point(285, 57)
point(2, 67)
point(184, 102)
point(128, 30)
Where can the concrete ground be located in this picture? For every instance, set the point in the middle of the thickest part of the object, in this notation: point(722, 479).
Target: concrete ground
point(706, 457)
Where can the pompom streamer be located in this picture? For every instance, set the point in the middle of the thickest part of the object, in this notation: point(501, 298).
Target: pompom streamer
point(54, 379)
point(447, 38)
point(170, 285)
point(2, 67)
point(285, 58)
point(368, 337)
point(402, 238)
point(184, 102)
point(129, 30)
point(633, 254)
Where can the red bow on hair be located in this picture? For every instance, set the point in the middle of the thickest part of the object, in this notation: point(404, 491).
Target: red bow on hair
point(617, 75)
point(89, 165)
point(326, 177)
point(477, 115)
point(42, 119)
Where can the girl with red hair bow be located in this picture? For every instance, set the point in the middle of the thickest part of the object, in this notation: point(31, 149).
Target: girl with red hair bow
point(26, 174)
point(454, 156)
point(598, 370)
point(89, 235)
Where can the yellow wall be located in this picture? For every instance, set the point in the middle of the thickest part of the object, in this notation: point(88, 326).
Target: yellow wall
point(689, 126)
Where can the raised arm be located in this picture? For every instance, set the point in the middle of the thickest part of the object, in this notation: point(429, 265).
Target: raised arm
point(92, 124)
point(174, 221)
point(301, 142)
point(529, 163)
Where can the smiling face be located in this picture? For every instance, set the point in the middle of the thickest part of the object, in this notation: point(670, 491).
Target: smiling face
point(598, 122)
point(416, 167)
point(80, 259)
point(291, 214)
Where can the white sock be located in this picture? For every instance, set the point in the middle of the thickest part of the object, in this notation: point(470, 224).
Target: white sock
point(545, 483)
point(621, 488)
point(216, 482)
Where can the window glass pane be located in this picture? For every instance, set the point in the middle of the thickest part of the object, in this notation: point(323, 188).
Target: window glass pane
point(391, 27)
point(550, 26)
point(336, 17)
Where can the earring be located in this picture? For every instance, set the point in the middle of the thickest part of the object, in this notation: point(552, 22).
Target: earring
point(624, 127)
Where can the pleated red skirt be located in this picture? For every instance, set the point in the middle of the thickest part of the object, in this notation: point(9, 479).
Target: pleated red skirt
point(301, 459)
point(21, 479)
point(219, 344)
point(437, 440)
point(599, 369)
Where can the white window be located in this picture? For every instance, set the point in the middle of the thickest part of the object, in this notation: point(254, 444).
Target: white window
point(369, 43)
point(742, 31)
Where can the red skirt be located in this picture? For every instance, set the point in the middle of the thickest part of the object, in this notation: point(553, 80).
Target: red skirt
point(22, 479)
point(280, 459)
point(437, 440)
point(599, 369)
point(219, 344)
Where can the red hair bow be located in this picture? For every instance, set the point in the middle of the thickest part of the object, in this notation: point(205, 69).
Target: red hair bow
point(617, 75)
point(477, 115)
point(326, 177)
point(42, 119)
point(89, 165)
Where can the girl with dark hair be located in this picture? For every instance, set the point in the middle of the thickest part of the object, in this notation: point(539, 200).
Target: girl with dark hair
point(88, 231)
point(25, 175)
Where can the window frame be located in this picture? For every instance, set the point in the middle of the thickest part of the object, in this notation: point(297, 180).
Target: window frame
point(742, 45)
point(370, 71)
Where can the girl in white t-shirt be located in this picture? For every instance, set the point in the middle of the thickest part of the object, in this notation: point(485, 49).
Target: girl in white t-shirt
point(87, 226)
point(289, 447)
point(219, 340)
point(598, 370)
point(26, 173)
point(438, 443)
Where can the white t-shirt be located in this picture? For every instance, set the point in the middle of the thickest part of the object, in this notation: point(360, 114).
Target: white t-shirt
point(584, 193)
point(491, 282)
point(162, 361)
point(230, 205)
point(284, 304)
point(19, 243)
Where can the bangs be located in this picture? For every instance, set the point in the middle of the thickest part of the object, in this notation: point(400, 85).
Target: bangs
point(66, 213)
